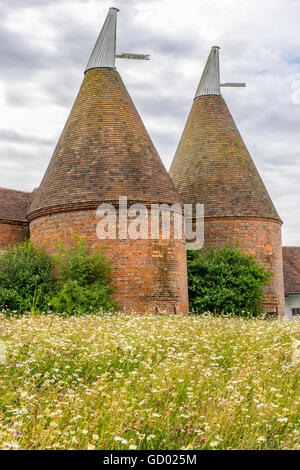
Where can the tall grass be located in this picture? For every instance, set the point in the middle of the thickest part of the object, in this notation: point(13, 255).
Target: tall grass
point(132, 382)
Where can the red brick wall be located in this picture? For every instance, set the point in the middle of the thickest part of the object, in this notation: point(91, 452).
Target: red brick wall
point(11, 233)
point(260, 237)
point(147, 273)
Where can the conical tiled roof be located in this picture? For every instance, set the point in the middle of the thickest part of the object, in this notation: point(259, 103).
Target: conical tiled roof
point(212, 164)
point(104, 150)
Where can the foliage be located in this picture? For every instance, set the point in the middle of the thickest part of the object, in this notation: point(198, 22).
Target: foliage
point(149, 382)
point(226, 280)
point(75, 280)
point(83, 279)
point(25, 277)
point(81, 264)
point(9, 298)
point(74, 298)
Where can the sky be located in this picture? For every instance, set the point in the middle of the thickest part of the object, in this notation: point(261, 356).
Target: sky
point(45, 46)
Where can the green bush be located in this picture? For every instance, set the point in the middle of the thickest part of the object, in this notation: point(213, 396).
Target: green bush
point(9, 298)
point(226, 281)
point(25, 277)
point(83, 279)
point(80, 284)
point(74, 298)
point(80, 263)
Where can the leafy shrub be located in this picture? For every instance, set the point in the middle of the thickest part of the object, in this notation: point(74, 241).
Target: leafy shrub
point(83, 279)
point(80, 263)
point(25, 277)
point(9, 298)
point(74, 298)
point(226, 280)
point(80, 283)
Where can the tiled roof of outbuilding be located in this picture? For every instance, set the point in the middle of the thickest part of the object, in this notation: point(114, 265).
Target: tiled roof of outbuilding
point(291, 268)
point(14, 204)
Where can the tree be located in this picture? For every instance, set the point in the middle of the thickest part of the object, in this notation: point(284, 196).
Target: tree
point(226, 280)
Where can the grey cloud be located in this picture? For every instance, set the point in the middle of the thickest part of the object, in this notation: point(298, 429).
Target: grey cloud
point(22, 168)
point(29, 3)
point(19, 59)
point(167, 106)
point(14, 57)
point(16, 137)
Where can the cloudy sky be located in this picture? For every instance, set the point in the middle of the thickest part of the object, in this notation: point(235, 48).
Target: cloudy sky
point(45, 45)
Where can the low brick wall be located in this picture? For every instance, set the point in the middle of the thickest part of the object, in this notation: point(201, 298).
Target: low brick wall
point(148, 274)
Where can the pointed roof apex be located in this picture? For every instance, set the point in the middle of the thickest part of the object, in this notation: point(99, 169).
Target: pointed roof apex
point(210, 80)
point(104, 52)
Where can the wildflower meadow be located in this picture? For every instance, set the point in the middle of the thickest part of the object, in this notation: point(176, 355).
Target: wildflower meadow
point(148, 382)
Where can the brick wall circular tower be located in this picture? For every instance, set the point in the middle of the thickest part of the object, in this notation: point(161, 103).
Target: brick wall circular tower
point(148, 274)
point(212, 166)
point(105, 152)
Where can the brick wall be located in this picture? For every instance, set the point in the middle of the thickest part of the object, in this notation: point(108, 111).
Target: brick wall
point(11, 233)
point(258, 237)
point(147, 273)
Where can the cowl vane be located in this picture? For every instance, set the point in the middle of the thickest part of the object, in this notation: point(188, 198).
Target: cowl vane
point(104, 52)
point(210, 80)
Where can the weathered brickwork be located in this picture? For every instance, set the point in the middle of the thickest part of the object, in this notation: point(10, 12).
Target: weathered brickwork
point(261, 238)
point(11, 233)
point(148, 274)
